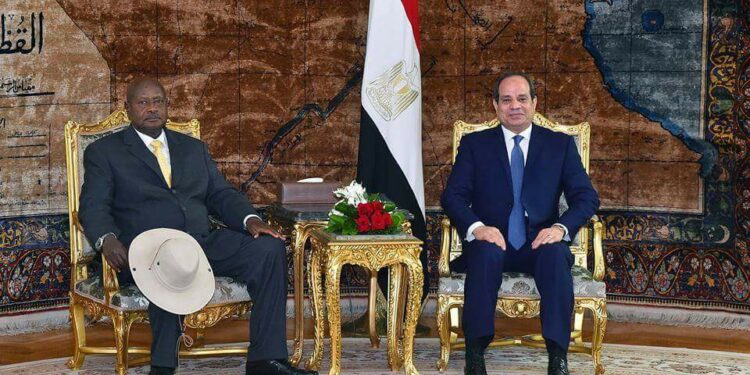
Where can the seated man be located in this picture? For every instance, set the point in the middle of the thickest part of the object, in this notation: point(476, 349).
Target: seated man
point(505, 185)
point(147, 177)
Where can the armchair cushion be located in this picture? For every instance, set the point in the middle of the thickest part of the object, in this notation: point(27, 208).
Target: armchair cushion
point(516, 284)
point(130, 298)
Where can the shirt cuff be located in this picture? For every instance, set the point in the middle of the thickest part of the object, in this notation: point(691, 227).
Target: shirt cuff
point(470, 231)
point(566, 236)
point(244, 221)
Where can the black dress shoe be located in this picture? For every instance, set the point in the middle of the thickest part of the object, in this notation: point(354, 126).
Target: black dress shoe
point(558, 359)
point(274, 367)
point(475, 368)
point(475, 356)
point(158, 370)
point(558, 365)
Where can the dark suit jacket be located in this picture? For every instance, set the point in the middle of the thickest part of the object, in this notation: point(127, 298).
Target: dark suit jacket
point(124, 191)
point(480, 188)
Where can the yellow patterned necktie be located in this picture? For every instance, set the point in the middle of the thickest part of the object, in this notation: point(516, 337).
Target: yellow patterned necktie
point(166, 170)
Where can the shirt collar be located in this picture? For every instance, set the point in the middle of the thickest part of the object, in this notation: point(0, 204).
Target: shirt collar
point(508, 135)
point(147, 139)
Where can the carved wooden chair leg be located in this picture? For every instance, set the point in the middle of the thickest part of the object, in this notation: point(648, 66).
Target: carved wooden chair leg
point(122, 332)
point(78, 324)
point(599, 311)
point(577, 334)
point(443, 324)
point(455, 324)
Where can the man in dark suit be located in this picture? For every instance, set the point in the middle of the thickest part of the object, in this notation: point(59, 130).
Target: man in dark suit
point(146, 177)
point(503, 194)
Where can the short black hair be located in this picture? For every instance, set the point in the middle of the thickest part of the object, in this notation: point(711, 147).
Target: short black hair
point(496, 89)
point(141, 82)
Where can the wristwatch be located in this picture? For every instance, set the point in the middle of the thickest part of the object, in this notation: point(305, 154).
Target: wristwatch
point(100, 241)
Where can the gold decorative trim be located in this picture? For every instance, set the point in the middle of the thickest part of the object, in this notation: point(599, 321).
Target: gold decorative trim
point(209, 316)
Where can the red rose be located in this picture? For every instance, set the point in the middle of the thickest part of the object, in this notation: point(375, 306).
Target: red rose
point(377, 206)
point(388, 220)
point(363, 224)
point(364, 209)
point(378, 221)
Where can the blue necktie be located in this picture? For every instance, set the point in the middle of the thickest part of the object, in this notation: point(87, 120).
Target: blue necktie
point(516, 226)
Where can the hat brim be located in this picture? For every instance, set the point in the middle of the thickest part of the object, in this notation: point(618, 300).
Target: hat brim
point(187, 301)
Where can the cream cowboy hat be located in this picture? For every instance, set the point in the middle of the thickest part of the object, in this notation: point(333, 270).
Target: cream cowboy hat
point(171, 270)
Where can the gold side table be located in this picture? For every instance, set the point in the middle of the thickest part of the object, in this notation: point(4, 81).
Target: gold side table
point(296, 221)
point(399, 252)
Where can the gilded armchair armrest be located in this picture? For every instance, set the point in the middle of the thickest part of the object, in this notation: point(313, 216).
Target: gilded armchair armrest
point(598, 229)
point(445, 247)
point(109, 281)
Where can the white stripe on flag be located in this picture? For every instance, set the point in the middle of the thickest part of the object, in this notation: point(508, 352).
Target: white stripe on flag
point(392, 88)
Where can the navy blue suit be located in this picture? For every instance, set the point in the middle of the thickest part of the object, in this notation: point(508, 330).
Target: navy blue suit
point(480, 189)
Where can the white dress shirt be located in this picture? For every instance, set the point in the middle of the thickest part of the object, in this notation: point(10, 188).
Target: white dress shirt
point(509, 144)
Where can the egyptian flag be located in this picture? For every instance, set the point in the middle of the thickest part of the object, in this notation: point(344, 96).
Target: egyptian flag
point(390, 138)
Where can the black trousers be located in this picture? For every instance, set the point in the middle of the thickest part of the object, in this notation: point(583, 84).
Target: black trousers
point(261, 264)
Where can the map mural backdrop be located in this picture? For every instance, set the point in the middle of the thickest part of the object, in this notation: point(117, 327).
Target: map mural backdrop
point(665, 86)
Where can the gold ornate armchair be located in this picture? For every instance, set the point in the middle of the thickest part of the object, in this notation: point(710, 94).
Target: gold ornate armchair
point(96, 295)
point(518, 296)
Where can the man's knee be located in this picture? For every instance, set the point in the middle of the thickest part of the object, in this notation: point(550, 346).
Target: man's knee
point(484, 253)
point(555, 254)
point(270, 247)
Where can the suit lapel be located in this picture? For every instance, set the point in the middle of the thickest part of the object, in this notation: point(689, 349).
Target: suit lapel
point(176, 156)
point(139, 150)
point(535, 147)
point(503, 155)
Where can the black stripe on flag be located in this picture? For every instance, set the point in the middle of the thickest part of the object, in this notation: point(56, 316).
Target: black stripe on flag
point(378, 172)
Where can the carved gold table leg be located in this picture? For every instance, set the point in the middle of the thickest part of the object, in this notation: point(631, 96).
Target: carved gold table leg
point(316, 289)
point(402, 304)
point(372, 309)
point(416, 282)
point(333, 295)
point(299, 238)
point(394, 333)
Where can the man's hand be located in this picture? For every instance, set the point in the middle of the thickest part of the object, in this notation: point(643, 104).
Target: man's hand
point(256, 227)
point(115, 253)
point(490, 234)
point(549, 235)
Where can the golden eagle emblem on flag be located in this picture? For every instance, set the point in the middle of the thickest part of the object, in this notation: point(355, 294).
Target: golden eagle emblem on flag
point(394, 90)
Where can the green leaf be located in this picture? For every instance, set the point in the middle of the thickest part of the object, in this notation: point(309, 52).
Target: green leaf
point(349, 228)
point(346, 209)
point(389, 206)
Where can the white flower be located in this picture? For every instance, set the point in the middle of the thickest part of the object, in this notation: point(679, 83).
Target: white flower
point(354, 194)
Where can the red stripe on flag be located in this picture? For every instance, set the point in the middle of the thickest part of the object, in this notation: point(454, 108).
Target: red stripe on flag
point(412, 12)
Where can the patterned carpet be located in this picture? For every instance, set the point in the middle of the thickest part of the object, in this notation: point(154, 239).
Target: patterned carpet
point(359, 358)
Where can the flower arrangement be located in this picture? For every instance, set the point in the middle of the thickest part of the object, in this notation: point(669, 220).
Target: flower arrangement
point(360, 213)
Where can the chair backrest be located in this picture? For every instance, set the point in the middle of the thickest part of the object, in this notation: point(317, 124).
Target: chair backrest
point(77, 137)
point(580, 133)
